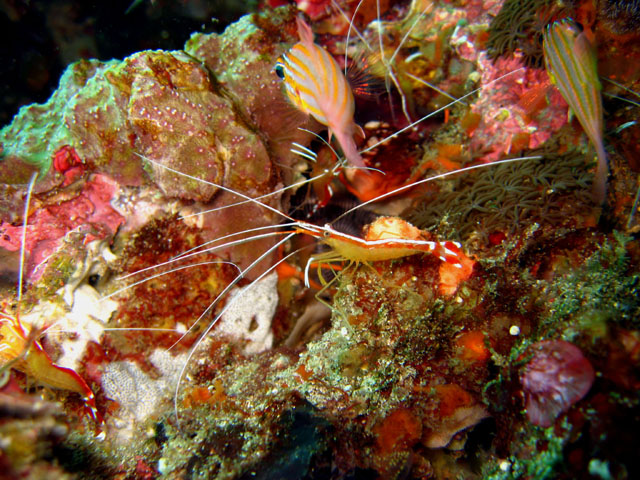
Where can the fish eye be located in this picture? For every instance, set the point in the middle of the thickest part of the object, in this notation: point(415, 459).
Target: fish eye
point(93, 280)
point(413, 50)
point(279, 70)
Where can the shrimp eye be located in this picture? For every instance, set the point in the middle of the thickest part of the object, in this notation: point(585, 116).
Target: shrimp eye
point(279, 70)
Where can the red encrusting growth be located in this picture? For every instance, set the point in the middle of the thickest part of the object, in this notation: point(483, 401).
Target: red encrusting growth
point(398, 431)
point(471, 347)
point(68, 162)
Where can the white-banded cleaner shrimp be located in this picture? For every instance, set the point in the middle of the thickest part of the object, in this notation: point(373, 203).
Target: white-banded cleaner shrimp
point(21, 338)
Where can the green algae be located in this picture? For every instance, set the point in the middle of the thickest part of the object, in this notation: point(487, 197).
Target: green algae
point(600, 291)
point(541, 455)
point(59, 270)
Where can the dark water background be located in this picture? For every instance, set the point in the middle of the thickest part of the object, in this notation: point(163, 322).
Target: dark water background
point(40, 38)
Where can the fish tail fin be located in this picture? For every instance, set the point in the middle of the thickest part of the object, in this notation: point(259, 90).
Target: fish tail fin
point(602, 173)
point(362, 78)
point(349, 149)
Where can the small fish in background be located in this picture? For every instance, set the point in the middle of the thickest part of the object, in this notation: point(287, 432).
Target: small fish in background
point(315, 84)
point(571, 63)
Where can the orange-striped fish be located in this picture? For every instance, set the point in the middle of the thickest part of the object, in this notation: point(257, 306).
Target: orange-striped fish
point(315, 84)
point(572, 66)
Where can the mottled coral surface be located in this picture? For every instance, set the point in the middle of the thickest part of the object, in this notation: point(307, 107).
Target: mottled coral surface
point(213, 354)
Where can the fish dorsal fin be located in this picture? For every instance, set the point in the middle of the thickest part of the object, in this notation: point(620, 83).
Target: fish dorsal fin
point(304, 31)
point(364, 83)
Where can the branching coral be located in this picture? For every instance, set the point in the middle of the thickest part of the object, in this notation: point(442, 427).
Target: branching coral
point(500, 198)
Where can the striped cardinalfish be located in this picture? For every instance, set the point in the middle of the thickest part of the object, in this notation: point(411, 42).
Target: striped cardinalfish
point(571, 63)
point(315, 84)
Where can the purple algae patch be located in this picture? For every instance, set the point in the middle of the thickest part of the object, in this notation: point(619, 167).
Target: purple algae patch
point(557, 377)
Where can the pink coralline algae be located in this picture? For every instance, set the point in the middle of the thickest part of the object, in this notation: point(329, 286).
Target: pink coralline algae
point(557, 377)
point(514, 109)
point(86, 214)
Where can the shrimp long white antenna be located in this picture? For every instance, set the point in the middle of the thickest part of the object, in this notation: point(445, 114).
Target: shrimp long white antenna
point(33, 332)
point(342, 162)
point(619, 85)
point(319, 137)
point(624, 99)
point(436, 177)
point(226, 307)
point(351, 26)
point(196, 250)
point(388, 63)
point(389, 72)
point(304, 152)
point(431, 114)
point(221, 187)
point(177, 269)
point(433, 87)
point(635, 205)
point(298, 149)
point(234, 282)
point(280, 190)
point(406, 35)
point(23, 244)
point(379, 25)
point(200, 248)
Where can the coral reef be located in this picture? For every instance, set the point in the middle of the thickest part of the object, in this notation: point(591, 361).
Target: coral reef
point(219, 342)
